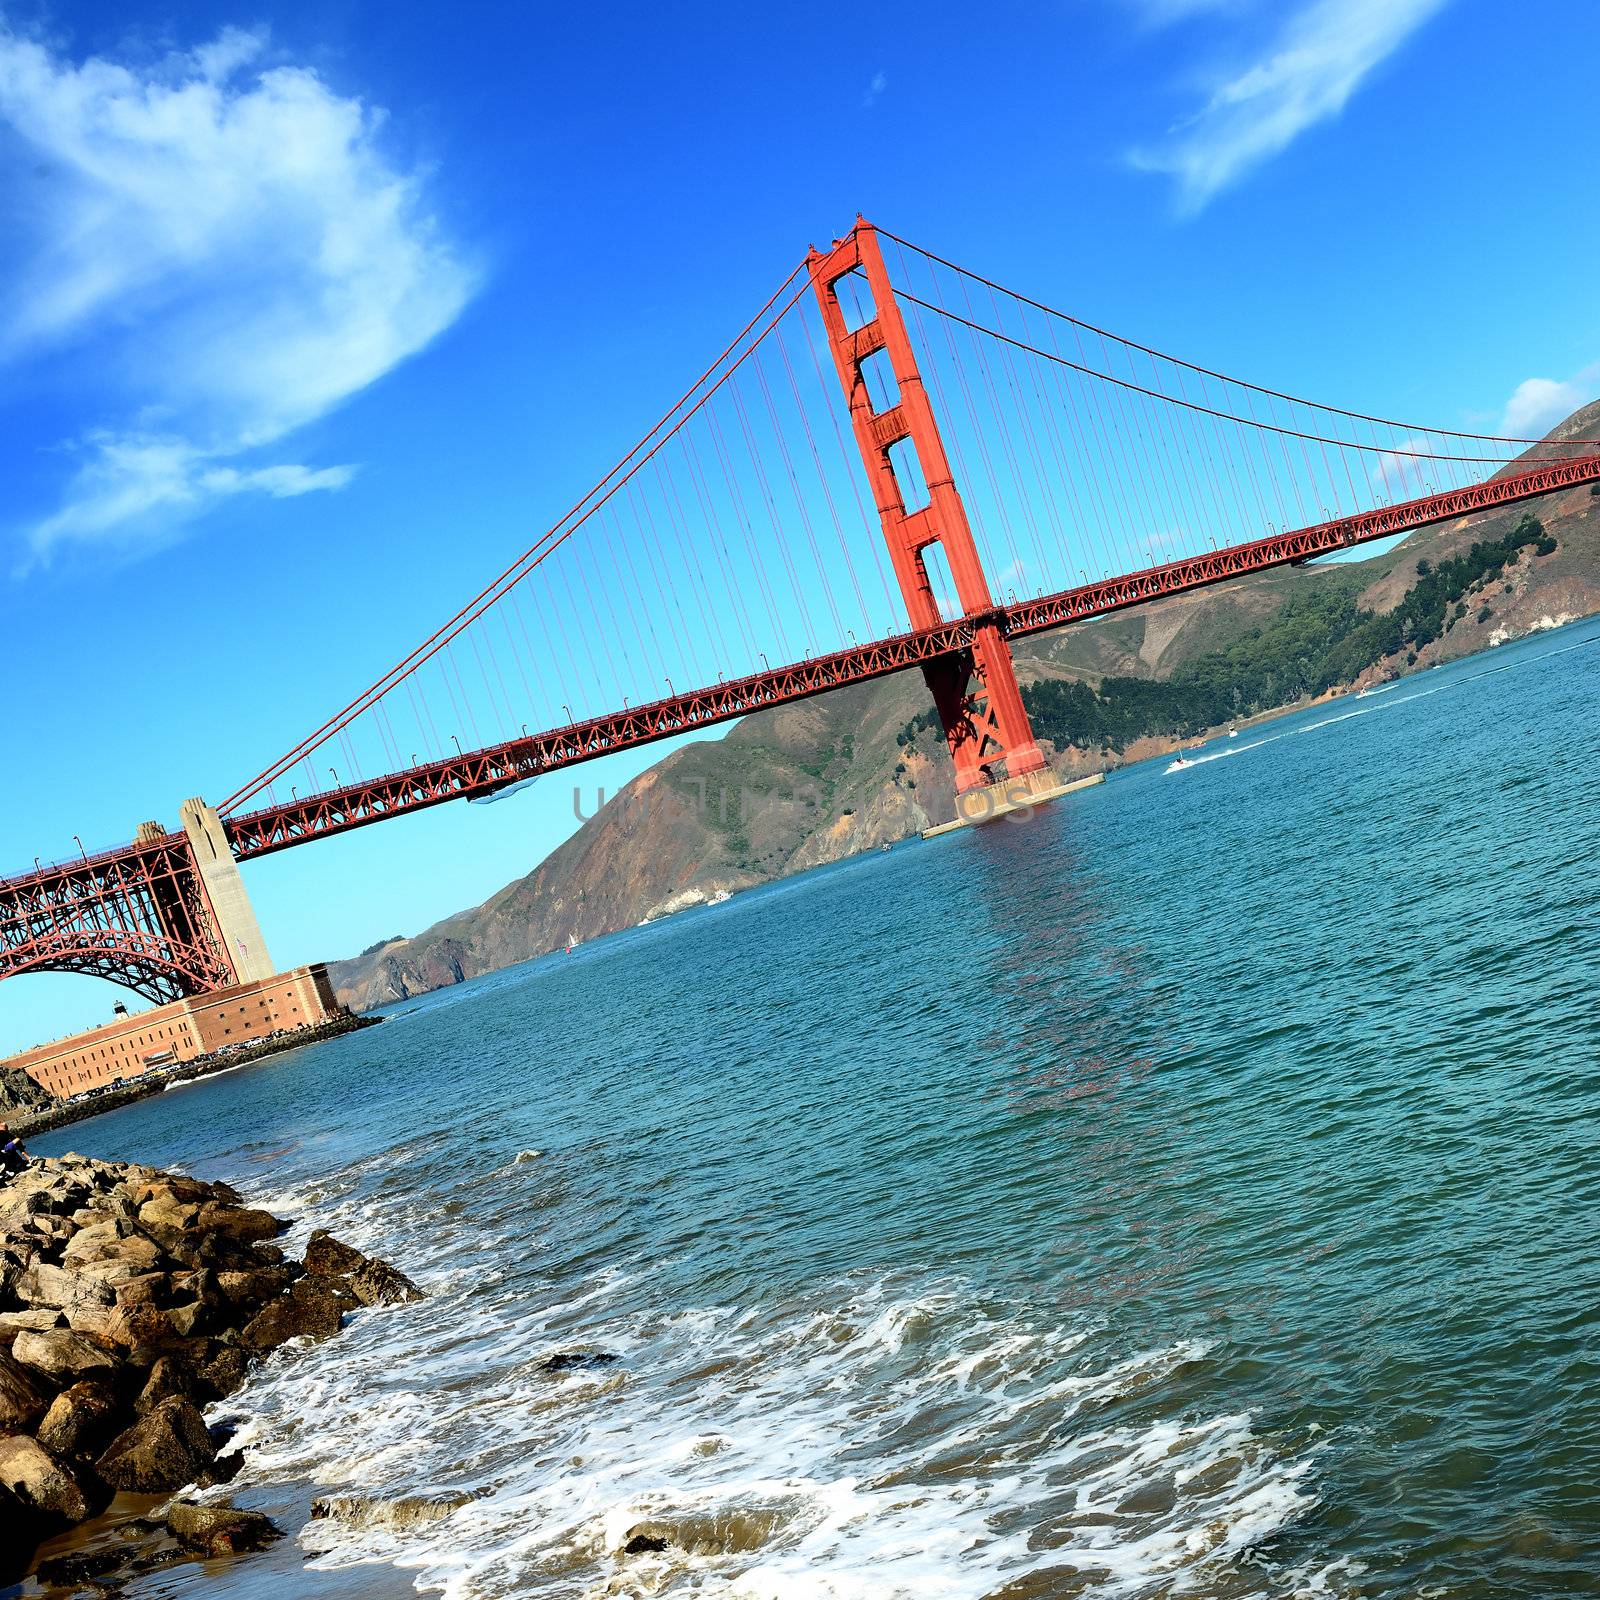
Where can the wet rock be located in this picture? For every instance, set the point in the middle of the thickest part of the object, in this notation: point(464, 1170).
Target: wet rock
point(164, 1450)
point(130, 1298)
point(80, 1568)
point(60, 1354)
point(40, 1484)
point(330, 1257)
point(225, 1371)
point(220, 1530)
point(576, 1360)
point(376, 1283)
point(644, 1544)
point(252, 1288)
point(305, 1312)
point(400, 1511)
point(80, 1421)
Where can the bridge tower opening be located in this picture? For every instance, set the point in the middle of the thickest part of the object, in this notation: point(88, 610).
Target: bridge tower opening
point(975, 691)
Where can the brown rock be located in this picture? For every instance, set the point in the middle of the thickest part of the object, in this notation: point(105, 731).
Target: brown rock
point(46, 1285)
point(80, 1421)
point(330, 1257)
point(167, 1377)
point(147, 1289)
point(241, 1223)
point(306, 1311)
point(220, 1530)
point(24, 1397)
point(187, 1319)
point(376, 1283)
point(61, 1354)
point(164, 1450)
point(225, 1371)
point(13, 1322)
point(252, 1289)
point(167, 1210)
point(40, 1483)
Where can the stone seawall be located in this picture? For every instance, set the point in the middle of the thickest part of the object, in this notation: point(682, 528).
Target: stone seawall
point(130, 1299)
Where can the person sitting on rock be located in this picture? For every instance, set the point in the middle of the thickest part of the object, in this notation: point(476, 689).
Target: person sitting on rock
point(13, 1157)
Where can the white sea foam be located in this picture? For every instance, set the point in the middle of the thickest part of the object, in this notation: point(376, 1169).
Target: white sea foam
point(878, 1441)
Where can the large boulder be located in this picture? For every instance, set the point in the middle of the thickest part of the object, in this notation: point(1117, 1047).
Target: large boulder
point(60, 1354)
point(164, 1450)
point(225, 1371)
point(168, 1211)
point(168, 1377)
point(251, 1288)
point(329, 1257)
point(376, 1283)
point(219, 1530)
point(308, 1311)
point(40, 1484)
point(80, 1421)
point(13, 1322)
point(24, 1396)
point(241, 1223)
point(46, 1285)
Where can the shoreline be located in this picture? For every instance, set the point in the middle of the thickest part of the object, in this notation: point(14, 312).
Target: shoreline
point(25, 1124)
point(141, 1300)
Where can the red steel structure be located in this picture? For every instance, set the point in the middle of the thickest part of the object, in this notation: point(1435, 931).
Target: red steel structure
point(140, 916)
point(974, 688)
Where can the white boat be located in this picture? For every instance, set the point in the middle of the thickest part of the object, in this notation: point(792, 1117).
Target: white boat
point(1233, 733)
point(1178, 763)
point(572, 944)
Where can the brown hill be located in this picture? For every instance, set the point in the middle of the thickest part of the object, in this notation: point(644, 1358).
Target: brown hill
point(810, 783)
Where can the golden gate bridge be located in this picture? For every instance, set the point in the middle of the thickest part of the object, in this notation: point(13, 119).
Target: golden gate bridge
point(896, 463)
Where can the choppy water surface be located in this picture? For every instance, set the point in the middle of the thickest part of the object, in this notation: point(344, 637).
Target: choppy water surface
point(1189, 1192)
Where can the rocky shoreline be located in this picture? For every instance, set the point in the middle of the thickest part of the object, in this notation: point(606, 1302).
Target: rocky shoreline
point(130, 1299)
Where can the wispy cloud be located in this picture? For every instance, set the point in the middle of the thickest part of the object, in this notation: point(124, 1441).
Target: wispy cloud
point(1538, 404)
point(880, 82)
point(223, 242)
point(1303, 73)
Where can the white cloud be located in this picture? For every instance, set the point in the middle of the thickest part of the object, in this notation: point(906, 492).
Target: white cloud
point(1304, 74)
point(880, 82)
point(1538, 404)
point(224, 244)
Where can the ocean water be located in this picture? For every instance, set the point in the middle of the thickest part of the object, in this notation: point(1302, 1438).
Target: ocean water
point(1187, 1191)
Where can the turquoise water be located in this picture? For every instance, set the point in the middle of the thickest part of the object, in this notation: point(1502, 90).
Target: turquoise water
point(1187, 1191)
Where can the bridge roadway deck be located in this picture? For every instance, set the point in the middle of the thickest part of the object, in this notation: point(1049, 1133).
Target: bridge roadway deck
point(482, 772)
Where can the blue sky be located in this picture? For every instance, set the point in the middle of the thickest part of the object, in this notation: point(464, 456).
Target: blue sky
point(311, 317)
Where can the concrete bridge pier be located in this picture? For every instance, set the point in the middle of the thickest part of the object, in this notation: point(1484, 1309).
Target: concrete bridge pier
point(231, 910)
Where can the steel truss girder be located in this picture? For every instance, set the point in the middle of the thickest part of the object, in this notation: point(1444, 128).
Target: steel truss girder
point(137, 916)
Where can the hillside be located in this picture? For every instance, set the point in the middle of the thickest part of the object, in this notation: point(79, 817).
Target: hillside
point(810, 783)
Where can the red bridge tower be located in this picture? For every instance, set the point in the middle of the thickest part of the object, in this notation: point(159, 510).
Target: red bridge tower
point(974, 690)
